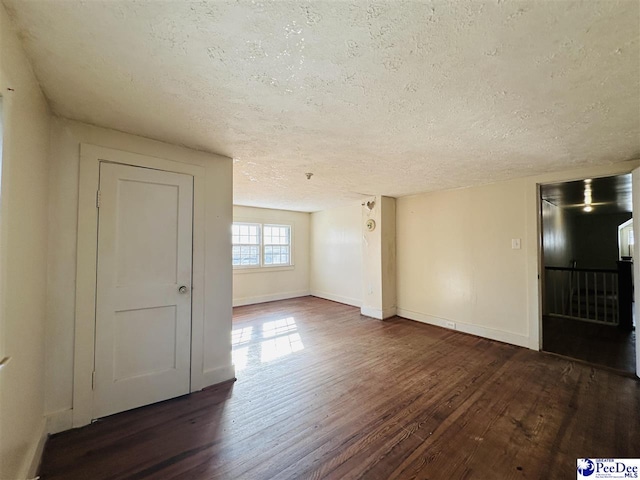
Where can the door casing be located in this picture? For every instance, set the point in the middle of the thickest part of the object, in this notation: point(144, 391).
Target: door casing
point(86, 269)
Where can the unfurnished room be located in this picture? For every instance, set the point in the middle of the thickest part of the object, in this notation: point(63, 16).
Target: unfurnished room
point(321, 239)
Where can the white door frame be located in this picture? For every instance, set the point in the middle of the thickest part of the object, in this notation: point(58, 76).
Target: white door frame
point(635, 180)
point(86, 269)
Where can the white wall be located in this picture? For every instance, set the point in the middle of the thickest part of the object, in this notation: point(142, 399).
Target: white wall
point(336, 254)
point(23, 253)
point(379, 258)
point(66, 137)
point(274, 283)
point(389, 260)
point(455, 262)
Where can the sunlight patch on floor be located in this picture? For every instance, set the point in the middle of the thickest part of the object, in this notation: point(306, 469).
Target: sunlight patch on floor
point(280, 346)
point(279, 327)
point(276, 339)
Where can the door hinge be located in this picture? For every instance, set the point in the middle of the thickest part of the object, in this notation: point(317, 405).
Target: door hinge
point(93, 380)
point(98, 199)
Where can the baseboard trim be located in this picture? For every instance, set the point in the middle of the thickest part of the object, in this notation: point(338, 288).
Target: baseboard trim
point(491, 334)
point(389, 312)
point(34, 457)
point(218, 375)
point(379, 314)
point(371, 312)
point(354, 302)
point(59, 421)
point(239, 302)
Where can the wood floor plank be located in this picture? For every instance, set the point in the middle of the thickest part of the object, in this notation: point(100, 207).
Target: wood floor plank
point(325, 393)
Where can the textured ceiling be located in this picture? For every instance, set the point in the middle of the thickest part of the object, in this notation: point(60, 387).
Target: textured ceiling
point(387, 97)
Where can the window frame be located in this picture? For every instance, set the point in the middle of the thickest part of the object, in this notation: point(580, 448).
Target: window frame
point(259, 245)
point(289, 244)
point(262, 266)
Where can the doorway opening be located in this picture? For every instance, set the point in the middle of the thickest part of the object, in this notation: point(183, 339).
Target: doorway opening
point(587, 281)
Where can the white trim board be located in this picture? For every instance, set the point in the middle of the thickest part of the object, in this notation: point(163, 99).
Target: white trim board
point(477, 330)
point(354, 302)
point(377, 313)
point(59, 421)
point(32, 461)
point(218, 375)
point(239, 302)
point(90, 158)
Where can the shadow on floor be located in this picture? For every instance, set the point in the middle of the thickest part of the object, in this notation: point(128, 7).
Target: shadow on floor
point(595, 343)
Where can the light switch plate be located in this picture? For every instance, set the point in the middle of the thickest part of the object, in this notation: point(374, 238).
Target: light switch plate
point(515, 243)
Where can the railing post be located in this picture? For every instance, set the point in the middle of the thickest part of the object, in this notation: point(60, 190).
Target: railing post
point(625, 295)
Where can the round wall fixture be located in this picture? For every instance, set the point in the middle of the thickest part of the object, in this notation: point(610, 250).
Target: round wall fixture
point(371, 225)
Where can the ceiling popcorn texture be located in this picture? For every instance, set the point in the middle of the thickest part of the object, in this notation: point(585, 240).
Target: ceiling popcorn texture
point(389, 97)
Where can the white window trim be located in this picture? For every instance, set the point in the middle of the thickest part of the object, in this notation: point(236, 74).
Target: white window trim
point(259, 245)
point(262, 245)
point(262, 267)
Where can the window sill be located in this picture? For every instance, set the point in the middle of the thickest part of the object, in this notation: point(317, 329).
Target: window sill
point(262, 269)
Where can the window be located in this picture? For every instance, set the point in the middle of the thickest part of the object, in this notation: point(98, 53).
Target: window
point(246, 244)
point(258, 245)
point(277, 246)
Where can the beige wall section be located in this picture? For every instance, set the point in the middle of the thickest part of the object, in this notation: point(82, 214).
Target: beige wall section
point(336, 254)
point(379, 258)
point(23, 257)
point(255, 285)
point(389, 260)
point(455, 262)
point(371, 280)
point(66, 137)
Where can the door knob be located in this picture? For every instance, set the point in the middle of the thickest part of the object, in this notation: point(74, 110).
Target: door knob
point(183, 289)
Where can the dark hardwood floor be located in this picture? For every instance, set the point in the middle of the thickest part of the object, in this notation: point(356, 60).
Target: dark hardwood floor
point(323, 392)
point(594, 343)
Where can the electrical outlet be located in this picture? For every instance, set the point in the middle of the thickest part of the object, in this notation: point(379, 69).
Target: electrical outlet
point(451, 325)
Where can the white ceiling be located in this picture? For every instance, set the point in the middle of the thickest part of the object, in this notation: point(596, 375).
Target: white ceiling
point(386, 97)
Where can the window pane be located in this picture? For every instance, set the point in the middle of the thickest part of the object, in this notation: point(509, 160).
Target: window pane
point(277, 245)
point(245, 244)
point(235, 254)
point(251, 241)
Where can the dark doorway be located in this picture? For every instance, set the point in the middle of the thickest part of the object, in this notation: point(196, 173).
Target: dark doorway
point(587, 283)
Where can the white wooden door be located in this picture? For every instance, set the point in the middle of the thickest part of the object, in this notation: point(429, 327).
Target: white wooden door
point(143, 299)
point(635, 189)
